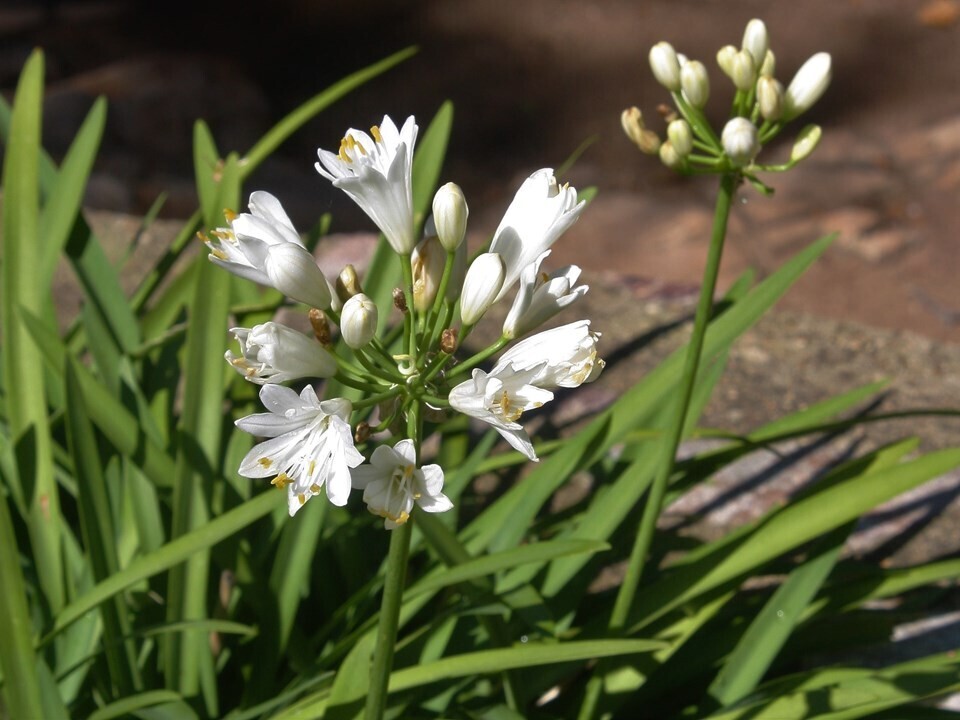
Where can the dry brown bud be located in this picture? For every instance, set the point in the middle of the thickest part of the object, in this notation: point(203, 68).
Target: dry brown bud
point(321, 327)
point(399, 300)
point(448, 341)
point(363, 433)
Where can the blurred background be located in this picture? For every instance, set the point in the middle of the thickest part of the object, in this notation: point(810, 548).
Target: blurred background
point(531, 82)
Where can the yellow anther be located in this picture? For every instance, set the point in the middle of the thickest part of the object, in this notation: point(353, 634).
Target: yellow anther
point(265, 462)
point(281, 481)
point(511, 415)
point(229, 214)
point(219, 254)
point(377, 137)
point(311, 468)
point(315, 489)
point(302, 498)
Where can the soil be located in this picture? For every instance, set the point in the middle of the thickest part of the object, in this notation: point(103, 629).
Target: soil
point(530, 83)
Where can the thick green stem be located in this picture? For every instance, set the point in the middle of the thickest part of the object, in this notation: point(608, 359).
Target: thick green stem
point(392, 596)
point(651, 511)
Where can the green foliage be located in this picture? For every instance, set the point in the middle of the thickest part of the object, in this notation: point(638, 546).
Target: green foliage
point(142, 578)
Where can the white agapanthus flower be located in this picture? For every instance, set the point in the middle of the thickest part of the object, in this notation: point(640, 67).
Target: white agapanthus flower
point(392, 483)
point(541, 212)
point(564, 356)
point(541, 296)
point(499, 398)
point(376, 173)
point(263, 246)
point(274, 353)
point(311, 445)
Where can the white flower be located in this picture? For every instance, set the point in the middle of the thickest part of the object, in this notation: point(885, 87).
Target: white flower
point(481, 286)
point(310, 446)
point(541, 212)
point(807, 85)
point(263, 246)
point(392, 483)
point(695, 83)
point(541, 296)
point(565, 356)
point(375, 173)
point(756, 40)
point(499, 399)
point(427, 262)
point(358, 323)
point(740, 141)
point(273, 353)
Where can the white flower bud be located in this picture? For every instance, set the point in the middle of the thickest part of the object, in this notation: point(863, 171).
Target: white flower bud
point(670, 157)
point(807, 86)
point(770, 98)
point(293, 271)
point(769, 66)
point(665, 66)
point(806, 143)
point(632, 121)
point(427, 261)
point(481, 286)
point(743, 70)
point(358, 321)
point(756, 41)
point(740, 142)
point(695, 83)
point(450, 214)
point(681, 137)
point(725, 59)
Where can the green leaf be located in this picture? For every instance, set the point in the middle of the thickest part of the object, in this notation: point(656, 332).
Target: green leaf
point(130, 705)
point(206, 166)
point(296, 119)
point(848, 693)
point(99, 538)
point(24, 288)
point(428, 160)
point(786, 529)
point(173, 553)
point(484, 662)
point(65, 198)
point(490, 564)
point(188, 657)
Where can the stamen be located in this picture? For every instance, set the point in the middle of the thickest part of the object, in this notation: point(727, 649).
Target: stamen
point(281, 481)
point(377, 137)
point(508, 414)
point(315, 489)
point(265, 462)
point(229, 214)
point(302, 498)
point(219, 254)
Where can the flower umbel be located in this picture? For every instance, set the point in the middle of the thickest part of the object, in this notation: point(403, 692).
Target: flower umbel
point(311, 446)
point(392, 483)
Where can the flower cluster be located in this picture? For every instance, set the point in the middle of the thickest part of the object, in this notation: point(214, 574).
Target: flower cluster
point(398, 381)
point(761, 108)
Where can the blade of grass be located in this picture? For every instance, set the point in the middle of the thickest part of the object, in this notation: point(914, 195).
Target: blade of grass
point(98, 535)
point(22, 364)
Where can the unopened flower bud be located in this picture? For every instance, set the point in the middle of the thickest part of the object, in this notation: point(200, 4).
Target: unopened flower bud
point(632, 121)
point(448, 341)
point(770, 98)
point(740, 142)
point(807, 85)
point(450, 214)
point(294, 272)
point(681, 137)
point(725, 59)
point(695, 83)
point(362, 433)
point(358, 321)
point(427, 261)
point(399, 300)
point(756, 41)
point(769, 66)
point(348, 284)
point(806, 143)
point(321, 327)
point(481, 286)
point(670, 157)
point(665, 66)
point(743, 70)
point(273, 353)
